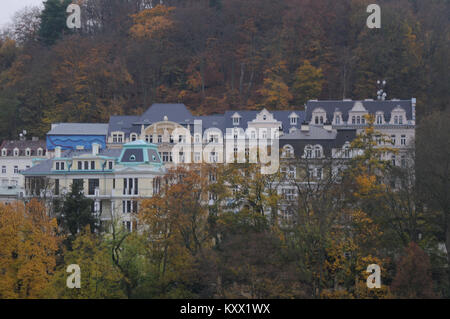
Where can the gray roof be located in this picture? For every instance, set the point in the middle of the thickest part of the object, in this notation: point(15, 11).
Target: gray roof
point(124, 124)
point(314, 133)
point(340, 137)
point(79, 129)
point(102, 152)
point(371, 106)
point(175, 112)
point(43, 167)
point(22, 146)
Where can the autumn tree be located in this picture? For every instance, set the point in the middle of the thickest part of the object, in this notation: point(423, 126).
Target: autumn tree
point(99, 278)
point(413, 277)
point(275, 92)
point(307, 84)
point(28, 251)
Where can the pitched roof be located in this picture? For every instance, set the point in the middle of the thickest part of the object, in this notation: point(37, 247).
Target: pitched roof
point(79, 129)
point(23, 145)
point(178, 113)
point(124, 124)
point(371, 106)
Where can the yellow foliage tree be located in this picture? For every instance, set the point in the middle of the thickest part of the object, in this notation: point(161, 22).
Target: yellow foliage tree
point(28, 249)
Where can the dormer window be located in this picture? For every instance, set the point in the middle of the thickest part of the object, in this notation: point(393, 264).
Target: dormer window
point(265, 117)
point(4, 152)
point(159, 139)
point(396, 119)
point(337, 120)
point(400, 120)
point(132, 158)
point(379, 119)
point(236, 120)
point(16, 152)
point(39, 152)
point(133, 137)
point(28, 152)
point(293, 119)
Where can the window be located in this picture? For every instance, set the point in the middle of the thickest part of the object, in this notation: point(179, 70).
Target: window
point(3, 169)
point(110, 165)
point(4, 152)
point(393, 139)
point(165, 157)
point(93, 184)
point(197, 157)
point(16, 169)
point(133, 137)
point(400, 120)
point(16, 152)
point(213, 157)
point(293, 120)
point(338, 120)
point(39, 152)
point(212, 177)
point(132, 158)
point(86, 165)
point(378, 138)
point(197, 138)
point(393, 160)
point(358, 120)
point(396, 119)
point(289, 194)
point(114, 183)
point(319, 172)
point(114, 138)
point(120, 138)
point(321, 120)
point(92, 165)
point(379, 119)
point(159, 139)
point(308, 151)
point(403, 161)
point(156, 186)
point(129, 206)
point(318, 151)
point(212, 196)
point(28, 152)
point(80, 165)
point(353, 119)
point(236, 120)
point(403, 140)
point(56, 186)
point(56, 165)
point(181, 157)
point(347, 151)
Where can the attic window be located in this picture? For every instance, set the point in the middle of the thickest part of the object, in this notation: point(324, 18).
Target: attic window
point(293, 121)
point(236, 120)
point(4, 152)
point(132, 158)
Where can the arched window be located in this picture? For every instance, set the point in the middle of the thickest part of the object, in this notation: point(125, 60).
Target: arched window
point(132, 158)
point(353, 119)
point(318, 151)
point(308, 151)
point(4, 152)
point(379, 119)
point(39, 152)
point(16, 152)
point(395, 119)
point(28, 152)
point(133, 137)
point(288, 151)
point(346, 150)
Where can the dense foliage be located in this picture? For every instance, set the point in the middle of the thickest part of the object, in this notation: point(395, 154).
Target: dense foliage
point(216, 55)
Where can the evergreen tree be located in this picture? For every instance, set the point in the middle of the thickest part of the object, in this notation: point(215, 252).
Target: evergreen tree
point(77, 212)
point(53, 21)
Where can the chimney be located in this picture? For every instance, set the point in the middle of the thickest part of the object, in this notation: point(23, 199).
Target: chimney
point(95, 149)
point(328, 127)
point(58, 151)
point(304, 127)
